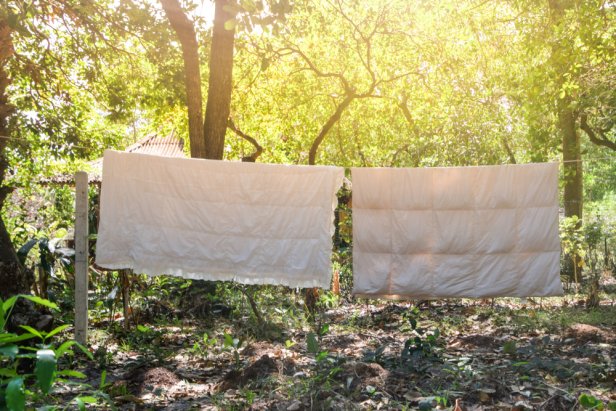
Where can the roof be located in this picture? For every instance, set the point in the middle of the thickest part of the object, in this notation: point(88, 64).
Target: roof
point(169, 146)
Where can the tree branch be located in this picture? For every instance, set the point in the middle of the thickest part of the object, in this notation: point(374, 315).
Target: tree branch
point(312, 155)
point(345, 84)
point(597, 138)
point(258, 149)
point(509, 151)
point(407, 114)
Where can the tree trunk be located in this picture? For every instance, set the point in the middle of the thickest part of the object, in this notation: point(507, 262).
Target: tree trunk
point(185, 30)
point(311, 295)
point(220, 83)
point(572, 166)
point(13, 276)
point(573, 195)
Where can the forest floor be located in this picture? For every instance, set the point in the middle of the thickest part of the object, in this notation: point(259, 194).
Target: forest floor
point(502, 354)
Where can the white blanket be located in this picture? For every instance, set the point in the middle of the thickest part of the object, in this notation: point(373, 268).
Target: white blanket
point(216, 220)
point(456, 232)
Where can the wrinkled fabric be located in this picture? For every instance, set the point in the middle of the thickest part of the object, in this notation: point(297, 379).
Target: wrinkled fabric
point(456, 232)
point(217, 220)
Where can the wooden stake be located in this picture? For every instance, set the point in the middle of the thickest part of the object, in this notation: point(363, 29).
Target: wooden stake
point(81, 257)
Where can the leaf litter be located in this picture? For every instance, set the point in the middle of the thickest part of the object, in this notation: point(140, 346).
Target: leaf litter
point(486, 357)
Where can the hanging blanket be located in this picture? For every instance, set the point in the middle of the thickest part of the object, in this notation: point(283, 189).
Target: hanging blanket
point(217, 220)
point(456, 232)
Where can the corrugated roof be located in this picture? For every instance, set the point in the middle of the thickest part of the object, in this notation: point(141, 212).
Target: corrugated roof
point(169, 146)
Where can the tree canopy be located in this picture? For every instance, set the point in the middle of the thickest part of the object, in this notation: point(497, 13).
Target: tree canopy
point(346, 82)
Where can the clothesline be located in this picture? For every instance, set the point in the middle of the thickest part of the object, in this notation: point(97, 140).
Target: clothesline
point(582, 160)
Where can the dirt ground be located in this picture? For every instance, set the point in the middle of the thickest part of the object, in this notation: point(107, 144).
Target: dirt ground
point(491, 355)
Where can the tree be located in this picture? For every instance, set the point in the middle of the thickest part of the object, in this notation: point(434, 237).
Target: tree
point(568, 83)
point(209, 139)
point(51, 54)
point(12, 274)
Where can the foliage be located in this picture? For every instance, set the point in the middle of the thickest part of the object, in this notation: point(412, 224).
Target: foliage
point(234, 345)
point(590, 402)
point(399, 84)
point(14, 390)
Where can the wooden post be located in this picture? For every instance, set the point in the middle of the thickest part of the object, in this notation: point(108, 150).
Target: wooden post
point(81, 257)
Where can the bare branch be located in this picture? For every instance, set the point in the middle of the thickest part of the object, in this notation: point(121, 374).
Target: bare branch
point(597, 138)
point(345, 84)
point(403, 105)
point(258, 149)
point(509, 151)
point(312, 155)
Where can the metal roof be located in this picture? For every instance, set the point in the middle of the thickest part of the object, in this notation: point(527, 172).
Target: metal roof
point(169, 146)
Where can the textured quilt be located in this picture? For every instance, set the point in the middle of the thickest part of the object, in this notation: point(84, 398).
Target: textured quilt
point(217, 220)
point(456, 232)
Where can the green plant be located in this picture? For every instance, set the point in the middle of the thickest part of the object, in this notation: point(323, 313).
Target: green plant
point(51, 258)
point(573, 244)
point(234, 345)
point(203, 347)
point(422, 343)
point(328, 300)
point(13, 382)
point(590, 402)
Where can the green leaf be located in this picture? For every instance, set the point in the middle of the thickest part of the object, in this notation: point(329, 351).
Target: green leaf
point(9, 351)
point(85, 350)
point(11, 338)
point(103, 379)
point(5, 309)
point(611, 406)
point(311, 343)
point(15, 395)
point(588, 401)
point(70, 373)
point(230, 24)
point(57, 330)
point(8, 304)
point(45, 369)
point(23, 251)
point(510, 347)
point(32, 331)
point(249, 6)
point(41, 301)
point(322, 356)
point(88, 399)
point(7, 372)
point(64, 347)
